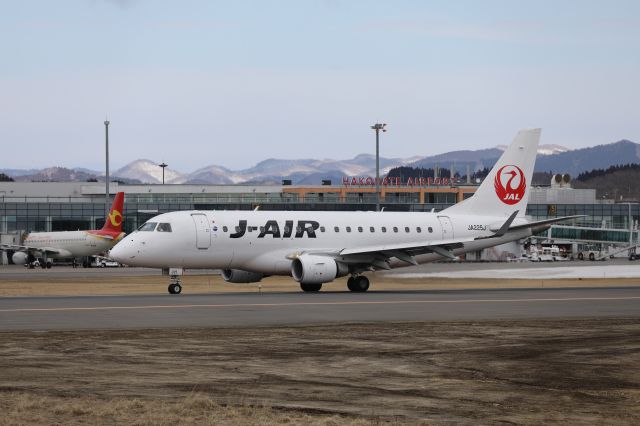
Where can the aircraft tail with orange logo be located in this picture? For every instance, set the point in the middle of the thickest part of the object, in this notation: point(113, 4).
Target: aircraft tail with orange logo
point(113, 225)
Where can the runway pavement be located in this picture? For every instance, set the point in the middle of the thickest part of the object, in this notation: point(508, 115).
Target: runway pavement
point(255, 310)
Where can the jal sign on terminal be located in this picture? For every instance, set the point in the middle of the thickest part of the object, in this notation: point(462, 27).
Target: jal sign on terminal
point(398, 181)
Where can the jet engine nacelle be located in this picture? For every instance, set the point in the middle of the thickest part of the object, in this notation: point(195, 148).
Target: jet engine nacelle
point(315, 269)
point(240, 276)
point(20, 258)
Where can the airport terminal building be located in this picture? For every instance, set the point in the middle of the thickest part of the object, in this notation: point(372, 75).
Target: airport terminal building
point(58, 206)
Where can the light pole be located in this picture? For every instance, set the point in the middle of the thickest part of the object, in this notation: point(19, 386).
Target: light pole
point(377, 127)
point(106, 143)
point(630, 222)
point(163, 165)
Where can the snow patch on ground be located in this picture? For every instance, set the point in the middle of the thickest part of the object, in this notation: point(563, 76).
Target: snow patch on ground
point(600, 271)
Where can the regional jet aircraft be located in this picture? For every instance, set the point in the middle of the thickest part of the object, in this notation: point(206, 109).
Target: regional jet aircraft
point(318, 247)
point(70, 244)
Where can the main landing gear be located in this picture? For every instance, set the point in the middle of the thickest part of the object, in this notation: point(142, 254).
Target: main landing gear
point(358, 283)
point(310, 287)
point(355, 283)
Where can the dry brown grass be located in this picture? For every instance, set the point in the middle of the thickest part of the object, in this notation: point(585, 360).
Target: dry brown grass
point(195, 409)
point(157, 284)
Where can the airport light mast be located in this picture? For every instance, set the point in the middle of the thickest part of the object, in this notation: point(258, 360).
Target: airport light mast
point(377, 127)
point(106, 201)
point(163, 165)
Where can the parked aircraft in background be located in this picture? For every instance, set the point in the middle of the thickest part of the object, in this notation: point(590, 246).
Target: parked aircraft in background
point(44, 246)
point(317, 247)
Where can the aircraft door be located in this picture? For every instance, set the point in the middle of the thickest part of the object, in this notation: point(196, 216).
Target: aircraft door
point(447, 227)
point(203, 231)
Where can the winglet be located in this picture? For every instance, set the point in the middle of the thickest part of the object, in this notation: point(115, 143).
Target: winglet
point(504, 228)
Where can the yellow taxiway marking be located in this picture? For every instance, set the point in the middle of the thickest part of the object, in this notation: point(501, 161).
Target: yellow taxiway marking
point(259, 305)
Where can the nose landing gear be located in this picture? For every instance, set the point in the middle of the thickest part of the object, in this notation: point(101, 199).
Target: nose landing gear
point(175, 287)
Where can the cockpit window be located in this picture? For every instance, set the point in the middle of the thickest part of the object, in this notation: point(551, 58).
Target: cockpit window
point(164, 227)
point(148, 227)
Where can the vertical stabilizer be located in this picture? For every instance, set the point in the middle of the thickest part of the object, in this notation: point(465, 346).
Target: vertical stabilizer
point(506, 188)
point(113, 224)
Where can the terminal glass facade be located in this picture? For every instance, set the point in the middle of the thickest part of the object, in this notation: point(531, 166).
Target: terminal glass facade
point(73, 213)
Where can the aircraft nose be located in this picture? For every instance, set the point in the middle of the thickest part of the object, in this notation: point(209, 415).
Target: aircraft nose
point(124, 251)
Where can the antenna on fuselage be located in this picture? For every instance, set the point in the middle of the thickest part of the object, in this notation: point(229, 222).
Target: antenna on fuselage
point(257, 208)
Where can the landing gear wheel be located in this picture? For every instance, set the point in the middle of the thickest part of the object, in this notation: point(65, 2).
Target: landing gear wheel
point(49, 265)
point(580, 256)
point(351, 284)
point(310, 287)
point(175, 288)
point(592, 256)
point(358, 284)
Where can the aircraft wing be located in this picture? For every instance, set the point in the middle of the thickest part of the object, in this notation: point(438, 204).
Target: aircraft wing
point(392, 250)
point(15, 247)
point(378, 256)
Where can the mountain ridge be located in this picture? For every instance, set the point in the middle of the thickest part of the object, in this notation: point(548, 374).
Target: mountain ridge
point(309, 171)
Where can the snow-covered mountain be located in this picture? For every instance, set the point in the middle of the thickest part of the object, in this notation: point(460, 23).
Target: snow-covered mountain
point(146, 171)
point(311, 171)
point(55, 174)
point(548, 149)
point(272, 170)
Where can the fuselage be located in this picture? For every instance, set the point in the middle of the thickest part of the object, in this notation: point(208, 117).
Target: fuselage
point(67, 244)
point(267, 241)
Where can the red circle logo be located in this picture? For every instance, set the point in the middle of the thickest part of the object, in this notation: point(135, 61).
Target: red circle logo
point(510, 184)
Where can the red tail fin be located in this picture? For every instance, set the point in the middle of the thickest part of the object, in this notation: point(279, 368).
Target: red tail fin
point(114, 220)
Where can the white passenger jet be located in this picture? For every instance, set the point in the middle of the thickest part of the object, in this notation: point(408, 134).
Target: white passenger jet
point(318, 247)
point(70, 244)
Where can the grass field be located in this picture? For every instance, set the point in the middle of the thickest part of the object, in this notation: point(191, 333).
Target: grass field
point(52, 285)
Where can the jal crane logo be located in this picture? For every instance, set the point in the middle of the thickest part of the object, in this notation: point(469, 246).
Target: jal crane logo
point(510, 184)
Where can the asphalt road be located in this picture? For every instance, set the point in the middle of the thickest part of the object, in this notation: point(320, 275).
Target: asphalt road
point(255, 310)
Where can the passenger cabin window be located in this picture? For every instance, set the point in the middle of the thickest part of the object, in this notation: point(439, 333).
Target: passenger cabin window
point(148, 227)
point(164, 227)
point(359, 228)
point(418, 229)
point(348, 229)
point(336, 228)
point(225, 229)
point(322, 229)
point(406, 229)
point(430, 230)
point(372, 229)
point(395, 229)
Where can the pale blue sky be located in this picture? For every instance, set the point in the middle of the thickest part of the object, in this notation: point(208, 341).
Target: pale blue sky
point(196, 83)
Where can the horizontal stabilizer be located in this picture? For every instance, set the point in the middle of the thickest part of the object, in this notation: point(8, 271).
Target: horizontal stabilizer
point(542, 223)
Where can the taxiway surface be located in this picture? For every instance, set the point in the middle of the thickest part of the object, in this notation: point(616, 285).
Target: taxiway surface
point(268, 309)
